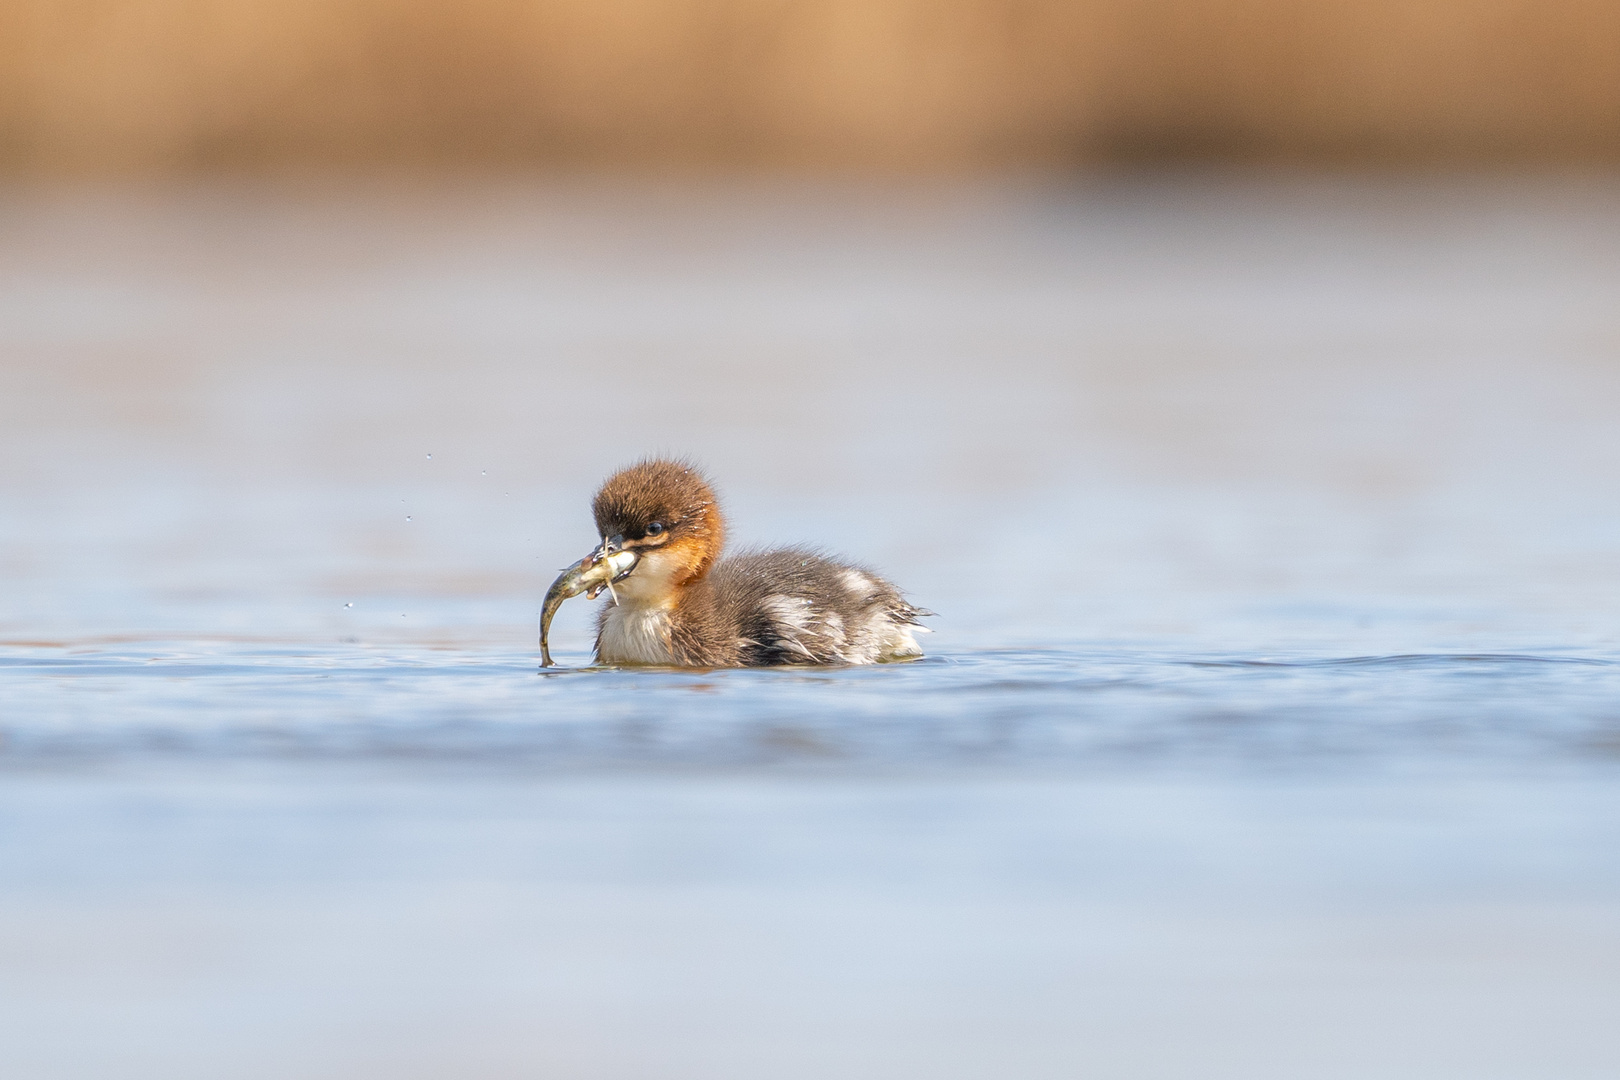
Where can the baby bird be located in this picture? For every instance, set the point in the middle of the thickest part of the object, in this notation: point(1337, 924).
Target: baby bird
point(680, 603)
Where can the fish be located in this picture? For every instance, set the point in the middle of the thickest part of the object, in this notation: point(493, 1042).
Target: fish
point(590, 576)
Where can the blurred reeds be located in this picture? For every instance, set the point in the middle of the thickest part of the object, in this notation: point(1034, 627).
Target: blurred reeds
point(159, 84)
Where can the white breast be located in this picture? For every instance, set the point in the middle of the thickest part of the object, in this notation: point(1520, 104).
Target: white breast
point(634, 634)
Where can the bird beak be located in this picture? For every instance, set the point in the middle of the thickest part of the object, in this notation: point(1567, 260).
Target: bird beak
point(612, 545)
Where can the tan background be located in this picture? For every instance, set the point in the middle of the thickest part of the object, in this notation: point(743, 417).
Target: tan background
point(139, 84)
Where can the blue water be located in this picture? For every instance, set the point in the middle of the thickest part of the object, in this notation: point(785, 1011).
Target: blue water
point(1271, 727)
point(1047, 710)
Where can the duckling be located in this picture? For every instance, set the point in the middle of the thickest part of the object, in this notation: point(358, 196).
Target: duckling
point(679, 603)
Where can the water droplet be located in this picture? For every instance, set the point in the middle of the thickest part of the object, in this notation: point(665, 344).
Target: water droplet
point(430, 457)
point(349, 604)
point(483, 472)
point(407, 517)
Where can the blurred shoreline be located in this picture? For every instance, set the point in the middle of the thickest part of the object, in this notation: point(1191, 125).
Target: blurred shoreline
point(186, 85)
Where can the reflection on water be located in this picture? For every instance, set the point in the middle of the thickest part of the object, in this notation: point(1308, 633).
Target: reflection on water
point(1031, 709)
point(1273, 702)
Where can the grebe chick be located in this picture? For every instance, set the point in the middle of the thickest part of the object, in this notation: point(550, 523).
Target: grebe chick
point(681, 604)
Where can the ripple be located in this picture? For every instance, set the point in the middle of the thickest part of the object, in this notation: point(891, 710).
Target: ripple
point(1033, 709)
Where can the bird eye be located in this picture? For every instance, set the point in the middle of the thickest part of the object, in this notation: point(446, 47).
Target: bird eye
point(655, 528)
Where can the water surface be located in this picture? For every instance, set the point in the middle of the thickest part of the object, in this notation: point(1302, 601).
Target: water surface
point(1270, 728)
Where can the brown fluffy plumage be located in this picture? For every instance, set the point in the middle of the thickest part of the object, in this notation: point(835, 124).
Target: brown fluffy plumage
point(684, 605)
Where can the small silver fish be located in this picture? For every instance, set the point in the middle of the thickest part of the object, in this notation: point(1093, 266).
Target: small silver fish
point(590, 576)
